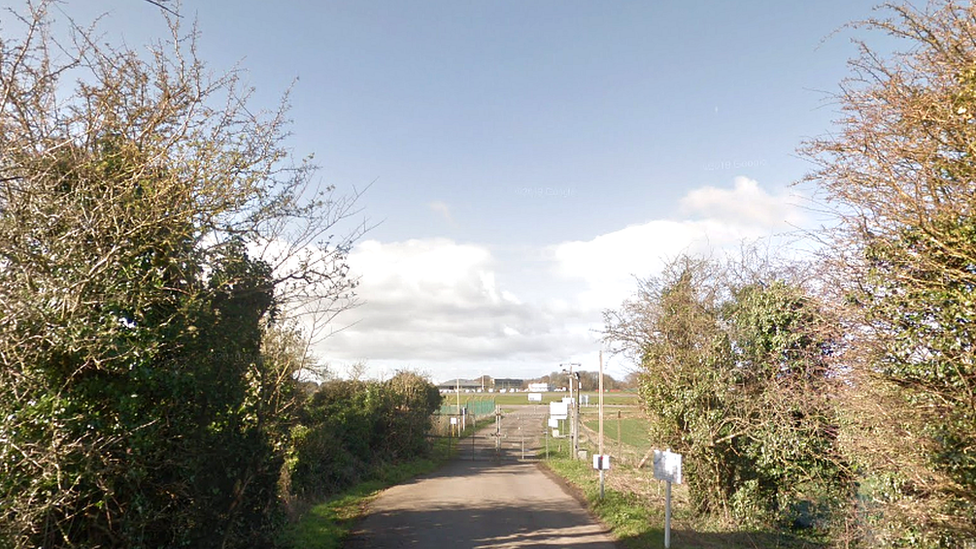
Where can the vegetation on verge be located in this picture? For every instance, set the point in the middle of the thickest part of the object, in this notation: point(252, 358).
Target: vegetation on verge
point(840, 396)
point(349, 431)
point(158, 244)
point(901, 173)
point(636, 518)
point(734, 375)
point(327, 525)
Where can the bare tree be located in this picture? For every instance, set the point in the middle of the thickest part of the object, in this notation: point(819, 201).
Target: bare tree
point(900, 173)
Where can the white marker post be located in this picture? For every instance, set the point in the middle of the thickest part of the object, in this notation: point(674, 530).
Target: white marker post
point(602, 470)
point(667, 467)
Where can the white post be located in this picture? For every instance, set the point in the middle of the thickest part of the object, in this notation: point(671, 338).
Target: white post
point(572, 416)
point(601, 422)
point(667, 517)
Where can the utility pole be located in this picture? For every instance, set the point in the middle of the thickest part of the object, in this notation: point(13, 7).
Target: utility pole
point(576, 423)
point(574, 403)
point(602, 471)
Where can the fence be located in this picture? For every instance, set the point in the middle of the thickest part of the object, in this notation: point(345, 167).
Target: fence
point(472, 411)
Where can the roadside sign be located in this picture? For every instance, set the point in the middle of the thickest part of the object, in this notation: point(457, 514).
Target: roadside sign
point(559, 410)
point(554, 423)
point(535, 397)
point(601, 462)
point(667, 466)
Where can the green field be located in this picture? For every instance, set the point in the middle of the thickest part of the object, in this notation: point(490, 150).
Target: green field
point(512, 399)
point(633, 431)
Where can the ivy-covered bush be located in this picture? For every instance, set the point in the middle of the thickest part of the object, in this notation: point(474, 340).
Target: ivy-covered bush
point(347, 429)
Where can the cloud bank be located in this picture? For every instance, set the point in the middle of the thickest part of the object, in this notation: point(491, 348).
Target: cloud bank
point(436, 304)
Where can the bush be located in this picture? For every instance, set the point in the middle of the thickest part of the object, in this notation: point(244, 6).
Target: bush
point(350, 429)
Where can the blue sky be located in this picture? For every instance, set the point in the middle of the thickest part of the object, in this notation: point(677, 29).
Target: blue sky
point(530, 157)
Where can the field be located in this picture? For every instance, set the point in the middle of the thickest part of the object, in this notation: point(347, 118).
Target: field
point(515, 399)
point(630, 431)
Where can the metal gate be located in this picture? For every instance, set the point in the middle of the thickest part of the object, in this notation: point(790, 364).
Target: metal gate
point(516, 433)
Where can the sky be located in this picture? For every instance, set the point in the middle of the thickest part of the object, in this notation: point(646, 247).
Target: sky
point(526, 160)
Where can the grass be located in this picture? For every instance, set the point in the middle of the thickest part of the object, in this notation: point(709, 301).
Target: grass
point(326, 525)
point(637, 520)
point(633, 430)
point(624, 513)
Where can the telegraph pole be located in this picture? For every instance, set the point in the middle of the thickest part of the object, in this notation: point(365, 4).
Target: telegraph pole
point(602, 471)
point(573, 426)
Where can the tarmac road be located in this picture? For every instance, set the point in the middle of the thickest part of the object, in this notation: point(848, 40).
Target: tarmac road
point(478, 504)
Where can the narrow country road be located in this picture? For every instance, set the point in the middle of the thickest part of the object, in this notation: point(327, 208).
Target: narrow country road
point(480, 503)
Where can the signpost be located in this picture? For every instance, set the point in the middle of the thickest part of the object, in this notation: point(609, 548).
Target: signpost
point(574, 420)
point(602, 469)
point(667, 467)
point(558, 410)
point(601, 463)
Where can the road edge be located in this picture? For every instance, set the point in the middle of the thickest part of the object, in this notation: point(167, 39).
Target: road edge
point(576, 493)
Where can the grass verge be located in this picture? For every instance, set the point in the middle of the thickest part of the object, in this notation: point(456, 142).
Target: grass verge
point(326, 525)
point(638, 521)
point(626, 514)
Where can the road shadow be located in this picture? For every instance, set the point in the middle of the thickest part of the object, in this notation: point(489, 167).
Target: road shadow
point(479, 527)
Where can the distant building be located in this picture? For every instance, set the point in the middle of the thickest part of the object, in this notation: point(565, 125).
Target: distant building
point(508, 384)
point(539, 387)
point(466, 385)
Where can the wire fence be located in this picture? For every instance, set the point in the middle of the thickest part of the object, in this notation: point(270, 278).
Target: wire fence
point(469, 413)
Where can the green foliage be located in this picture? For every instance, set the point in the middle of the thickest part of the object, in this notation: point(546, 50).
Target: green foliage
point(787, 444)
point(142, 404)
point(918, 298)
point(147, 379)
point(350, 429)
point(735, 377)
point(685, 383)
point(326, 525)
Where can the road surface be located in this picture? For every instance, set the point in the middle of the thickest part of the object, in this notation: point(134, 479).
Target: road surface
point(480, 503)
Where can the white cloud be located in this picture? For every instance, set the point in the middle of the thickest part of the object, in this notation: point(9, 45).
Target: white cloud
point(746, 204)
point(438, 301)
point(720, 219)
point(440, 305)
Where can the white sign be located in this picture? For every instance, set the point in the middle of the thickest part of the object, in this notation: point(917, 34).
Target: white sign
point(559, 410)
point(554, 423)
point(667, 466)
point(453, 421)
point(535, 397)
point(601, 462)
